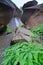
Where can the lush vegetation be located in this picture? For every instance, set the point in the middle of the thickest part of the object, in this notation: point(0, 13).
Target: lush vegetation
point(38, 30)
point(25, 53)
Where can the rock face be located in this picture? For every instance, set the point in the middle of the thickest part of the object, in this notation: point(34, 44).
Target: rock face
point(8, 10)
point(33, 16)
point(35, 19)
point(22, 34)
point(29, 4)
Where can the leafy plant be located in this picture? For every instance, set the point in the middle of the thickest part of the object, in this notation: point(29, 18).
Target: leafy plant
point(23, 53)
point(38, 31)
point(9, 29)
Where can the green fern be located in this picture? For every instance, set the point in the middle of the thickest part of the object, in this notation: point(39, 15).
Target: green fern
point(25, 53)
point(38, 29)
point(38, 32)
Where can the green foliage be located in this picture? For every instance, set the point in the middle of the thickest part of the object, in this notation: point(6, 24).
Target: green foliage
point(23, 53)
point(9, 29)
point(38, 31)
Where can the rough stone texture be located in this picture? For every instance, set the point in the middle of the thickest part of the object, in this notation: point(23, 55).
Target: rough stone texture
point(33, 16)
point(22, 34)
point(35, 19)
